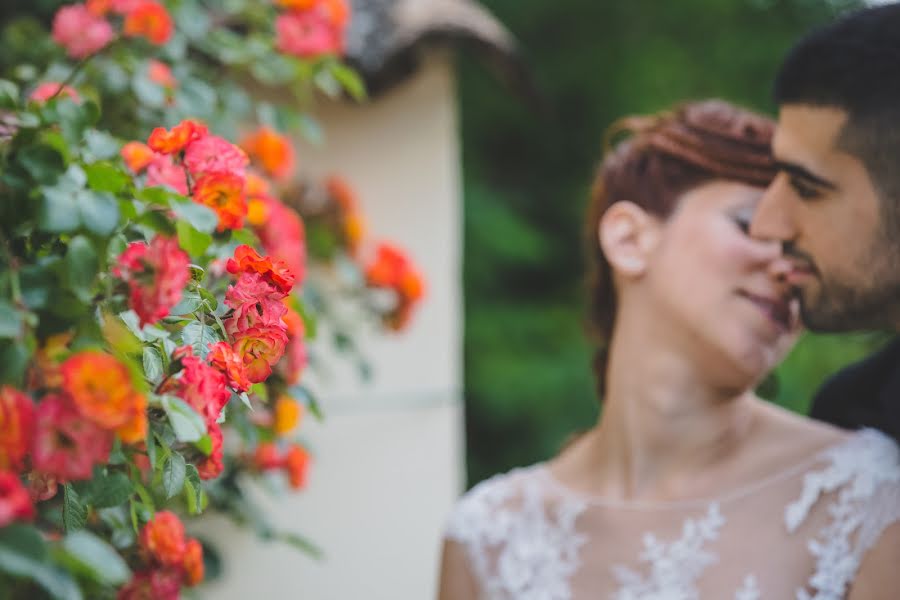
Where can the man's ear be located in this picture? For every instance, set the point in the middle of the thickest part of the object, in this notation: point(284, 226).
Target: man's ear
point(628, 235)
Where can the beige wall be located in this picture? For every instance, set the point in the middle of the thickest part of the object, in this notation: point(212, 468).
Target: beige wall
point(389, 455)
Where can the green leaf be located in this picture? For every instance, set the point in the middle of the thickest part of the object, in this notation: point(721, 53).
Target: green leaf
point(300, 543)
point(148, 92)
point(99, 212)
point(309, 319)
point(116, 518)
point(59, 209)
point(10, 320)
point(158, 195)
point(14, 358)
point(188, 425)
point(157, 220)
point(209, 298)
point(106, 177)
point(100, 145)
point(74, 118)
point(9, 94)
point(349, 80)
point(173, 474)
point(38, 281)
point(110, 490)
point(151, 450)
point(327, 83)
point(199, 336)
point(190, 301)
point(190, 497)
point(44, 163)
point(303, 393)
point(74, 512)
point(193, 490)
point(191, 240)
point(201, 217)
point(153, 365)
point(311, 130)
point(24, 539)
point(96, 558)
point(56, 582)
point(193, 20)
point(204, 445)
point(82, 265)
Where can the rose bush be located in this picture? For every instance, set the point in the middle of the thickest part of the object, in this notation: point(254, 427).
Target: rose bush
point(162, 274)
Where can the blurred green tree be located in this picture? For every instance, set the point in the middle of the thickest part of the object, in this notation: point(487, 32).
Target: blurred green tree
point(527, 173)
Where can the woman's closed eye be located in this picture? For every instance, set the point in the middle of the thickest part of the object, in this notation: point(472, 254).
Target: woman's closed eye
point(742, 219)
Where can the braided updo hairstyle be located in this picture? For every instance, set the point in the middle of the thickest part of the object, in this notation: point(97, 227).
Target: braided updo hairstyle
point(662, 157)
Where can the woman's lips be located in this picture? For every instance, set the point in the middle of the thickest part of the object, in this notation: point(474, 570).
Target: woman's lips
point(780, 311)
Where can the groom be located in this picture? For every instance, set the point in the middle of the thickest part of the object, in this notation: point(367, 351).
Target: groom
point(836, 202)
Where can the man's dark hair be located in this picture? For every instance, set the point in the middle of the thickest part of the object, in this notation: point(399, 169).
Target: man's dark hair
point(854, 64)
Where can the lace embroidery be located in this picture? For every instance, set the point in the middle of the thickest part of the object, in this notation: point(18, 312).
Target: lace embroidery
point(532, 545)
point(866, 470)
point(675, 567)
point(748, 591)
point(522, 543)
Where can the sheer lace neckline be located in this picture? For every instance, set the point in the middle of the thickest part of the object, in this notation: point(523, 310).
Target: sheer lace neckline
point(542, 469)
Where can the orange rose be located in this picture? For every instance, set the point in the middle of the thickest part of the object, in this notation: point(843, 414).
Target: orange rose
point(225, 359)
point(101, 388)
point(98, 7)
point(288, 413)
point(16, 427)
point(163, 538)
point(134, 430)
point(271, 150)
point(137, 156)
point(248, 260)
point(296, 463)
point(257, 212)
point(174, 140)
point(260, 347)
point(338, 11)
point(193, 562)
point(149, 19)
point(224, 193)
point(296, 4)
point(255, 185)
point(410, 286)
point(266, 457)
point(159, 72)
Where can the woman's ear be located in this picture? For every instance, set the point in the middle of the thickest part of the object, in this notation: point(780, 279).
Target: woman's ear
point(628, 235)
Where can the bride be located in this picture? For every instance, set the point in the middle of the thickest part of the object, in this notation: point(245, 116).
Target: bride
point(689, 486)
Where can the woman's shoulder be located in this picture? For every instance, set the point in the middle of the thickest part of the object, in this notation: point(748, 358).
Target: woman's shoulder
point(854, 492)
point(856, 476)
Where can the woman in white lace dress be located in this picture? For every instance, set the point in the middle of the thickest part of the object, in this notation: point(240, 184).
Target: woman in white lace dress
point(689, 486)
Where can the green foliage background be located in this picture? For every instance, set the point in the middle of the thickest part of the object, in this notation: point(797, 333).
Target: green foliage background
point(527, 172)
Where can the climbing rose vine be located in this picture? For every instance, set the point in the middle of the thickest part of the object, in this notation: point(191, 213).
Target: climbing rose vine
point(165, 265)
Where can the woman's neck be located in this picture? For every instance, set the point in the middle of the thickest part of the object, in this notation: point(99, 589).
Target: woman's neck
point(664, 423)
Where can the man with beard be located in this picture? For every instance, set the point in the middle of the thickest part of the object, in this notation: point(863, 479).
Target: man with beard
point(835, 203)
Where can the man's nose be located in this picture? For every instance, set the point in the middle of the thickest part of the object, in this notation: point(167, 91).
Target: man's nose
point(772, 220)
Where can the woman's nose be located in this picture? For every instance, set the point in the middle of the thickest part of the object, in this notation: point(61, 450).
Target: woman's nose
point(779, 267)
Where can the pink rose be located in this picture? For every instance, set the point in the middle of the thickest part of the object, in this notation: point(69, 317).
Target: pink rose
point(79, 31)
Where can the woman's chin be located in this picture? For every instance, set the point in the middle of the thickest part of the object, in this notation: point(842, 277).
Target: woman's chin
point(743, 366)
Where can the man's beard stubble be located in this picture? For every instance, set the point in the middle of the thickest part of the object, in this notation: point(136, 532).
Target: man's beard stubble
point(870, 303)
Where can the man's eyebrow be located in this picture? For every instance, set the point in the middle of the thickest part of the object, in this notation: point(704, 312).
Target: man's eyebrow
point(803, 173)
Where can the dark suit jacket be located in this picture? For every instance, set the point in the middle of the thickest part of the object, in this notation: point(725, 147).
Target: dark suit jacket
point(865, 394)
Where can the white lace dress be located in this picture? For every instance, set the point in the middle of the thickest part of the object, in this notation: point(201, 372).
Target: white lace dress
point(800, 534)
